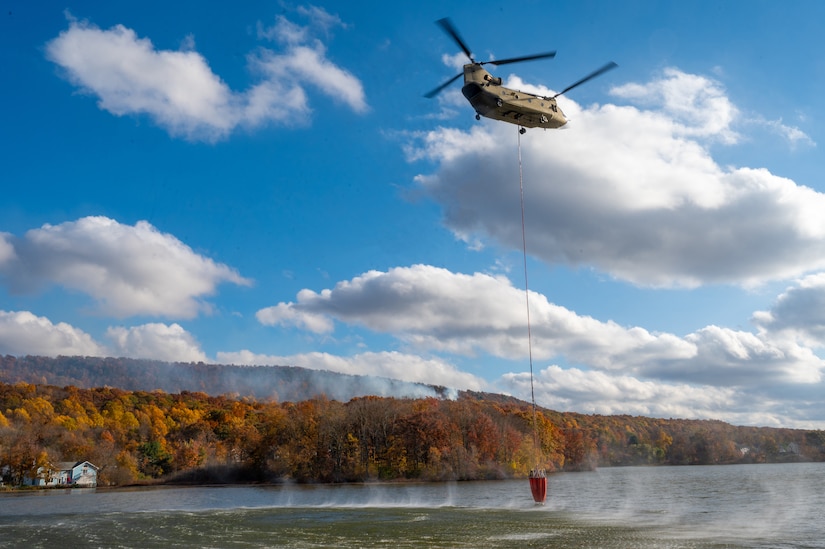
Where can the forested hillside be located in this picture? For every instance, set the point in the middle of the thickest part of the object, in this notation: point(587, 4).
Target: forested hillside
point(193, 437)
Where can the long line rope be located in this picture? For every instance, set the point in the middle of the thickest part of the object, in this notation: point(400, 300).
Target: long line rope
point(527, 298)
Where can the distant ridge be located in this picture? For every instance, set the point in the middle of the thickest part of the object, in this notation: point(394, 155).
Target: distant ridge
point(276, 383)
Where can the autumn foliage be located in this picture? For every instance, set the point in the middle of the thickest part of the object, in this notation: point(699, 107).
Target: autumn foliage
point(193, 437)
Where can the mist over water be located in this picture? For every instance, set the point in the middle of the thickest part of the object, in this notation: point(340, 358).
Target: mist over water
point(746, 505)
point(690, 507)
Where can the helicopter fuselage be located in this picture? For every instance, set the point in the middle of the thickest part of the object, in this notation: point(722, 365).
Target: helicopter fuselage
point(492, 100)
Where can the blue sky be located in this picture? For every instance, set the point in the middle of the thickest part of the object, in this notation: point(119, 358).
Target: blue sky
point(266, 184)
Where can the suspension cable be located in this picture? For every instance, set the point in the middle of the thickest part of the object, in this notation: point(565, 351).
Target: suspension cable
point(527, 298)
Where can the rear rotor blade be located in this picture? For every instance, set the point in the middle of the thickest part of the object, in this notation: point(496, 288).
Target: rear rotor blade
point(549, 54)
point(590, 76)
point(450, 29)
point(433, 93)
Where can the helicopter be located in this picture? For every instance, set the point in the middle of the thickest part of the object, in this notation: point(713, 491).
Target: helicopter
point(492, 100)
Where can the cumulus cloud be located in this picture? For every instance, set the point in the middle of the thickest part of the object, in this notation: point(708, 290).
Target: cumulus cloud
point(632, 192)
point(284, 314)
point(608, 393)
point(696, 105)
point(6, 249)
point(714, 371)
point(799, 312)
point(156, 341)
point(405, 367)
point(179, 91)
point(436, 309)
point(23, 333)
point(128, 270)
point(305, 59)
point(734, 358)
point(129, 76)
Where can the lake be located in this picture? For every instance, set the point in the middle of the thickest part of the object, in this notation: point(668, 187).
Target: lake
point(643, 507)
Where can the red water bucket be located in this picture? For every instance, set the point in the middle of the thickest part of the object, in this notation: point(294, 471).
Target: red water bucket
point(538, 485)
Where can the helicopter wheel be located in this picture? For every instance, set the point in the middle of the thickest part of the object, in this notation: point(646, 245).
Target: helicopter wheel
point(478, 116)
point(522, 130)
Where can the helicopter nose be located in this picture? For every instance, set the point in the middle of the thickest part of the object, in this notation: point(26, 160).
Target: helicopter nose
point(563, 118)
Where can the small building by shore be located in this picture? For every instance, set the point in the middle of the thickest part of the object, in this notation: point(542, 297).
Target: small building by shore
point(82, 474)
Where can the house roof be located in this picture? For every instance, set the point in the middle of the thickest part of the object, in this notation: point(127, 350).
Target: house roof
point(69, 465)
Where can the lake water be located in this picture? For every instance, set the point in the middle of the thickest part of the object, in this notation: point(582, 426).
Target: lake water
point(773, 506)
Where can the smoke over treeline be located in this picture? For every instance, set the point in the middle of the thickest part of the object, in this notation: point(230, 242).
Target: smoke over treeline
point(277, 383)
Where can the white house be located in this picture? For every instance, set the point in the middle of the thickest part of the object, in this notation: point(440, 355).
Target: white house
point(66, 473)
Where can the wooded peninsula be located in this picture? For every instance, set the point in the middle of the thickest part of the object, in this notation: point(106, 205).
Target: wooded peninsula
point(193, 437)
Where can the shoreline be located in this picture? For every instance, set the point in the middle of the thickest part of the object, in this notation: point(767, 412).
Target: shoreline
point(179, 483)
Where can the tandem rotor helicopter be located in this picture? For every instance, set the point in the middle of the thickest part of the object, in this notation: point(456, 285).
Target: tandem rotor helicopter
point(492, 100)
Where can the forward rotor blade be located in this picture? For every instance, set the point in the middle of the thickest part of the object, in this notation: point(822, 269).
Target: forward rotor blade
point(450, 29)
point(549, 54)
point(590, 76)
point(436, 91)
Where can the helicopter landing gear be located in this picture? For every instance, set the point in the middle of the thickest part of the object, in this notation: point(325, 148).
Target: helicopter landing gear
point(522, 131)
point(478, 116)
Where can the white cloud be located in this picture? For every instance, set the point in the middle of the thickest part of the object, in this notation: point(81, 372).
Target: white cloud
point(284, 31)
point(179, 91)
point(799, 313)
point(712, 372)
point(129, 76)
point(634, 193)
point(793, 135)
point(128, 270)
point(321, 18)
point(284, 314)
point(424, 305)
point(734, 358)
point(23, 333)
point(305, 59)
point(455, 61)
point(607, 393)
point(434, 309)
point(393, 365)
point(696, 105)
point(7, 254)
point(156, 341)
point(309, 64)
point(610, 393)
